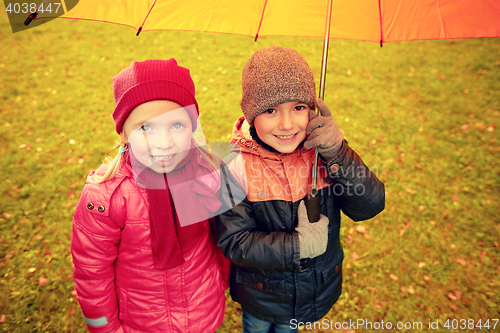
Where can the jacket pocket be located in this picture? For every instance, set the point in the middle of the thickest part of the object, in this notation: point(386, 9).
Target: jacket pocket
point(260, 282)
point(331, 271)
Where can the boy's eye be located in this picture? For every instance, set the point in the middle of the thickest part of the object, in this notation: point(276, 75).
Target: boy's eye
point(145, 128)
point(178, 126)
point(270, 111)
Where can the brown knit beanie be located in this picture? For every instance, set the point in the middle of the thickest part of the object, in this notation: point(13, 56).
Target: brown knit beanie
point(273, 76)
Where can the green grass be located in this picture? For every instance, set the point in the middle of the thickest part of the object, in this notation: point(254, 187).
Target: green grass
point(423, 114)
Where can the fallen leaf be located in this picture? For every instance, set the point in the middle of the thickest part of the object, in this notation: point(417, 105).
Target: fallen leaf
point(460, 261)
point(361, 229)
point(453, 306)
point(350, 239)
point(480, 126)
point(422, 264)
point(355, 256)
point(73, 292)
point(31, 269)
point(2, 318)
point(42, 280)
point(421, 207)
point(377, 304)
point(6, 215)
point(411, 291)
point(452, 296)
point(70, 192)
point(403, 289)
point(23, 222)
point(496, 244)
point(393, 277)
point(37, 237)
point(481, 254)
point(458, 294)
point(426, 278)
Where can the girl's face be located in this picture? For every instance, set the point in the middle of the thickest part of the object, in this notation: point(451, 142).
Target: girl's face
point(283, 126)
point(159, 134)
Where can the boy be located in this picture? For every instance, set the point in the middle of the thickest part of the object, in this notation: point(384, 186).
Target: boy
point(284, 268)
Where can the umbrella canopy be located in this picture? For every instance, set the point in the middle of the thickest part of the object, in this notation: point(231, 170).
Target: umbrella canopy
point(369, 20)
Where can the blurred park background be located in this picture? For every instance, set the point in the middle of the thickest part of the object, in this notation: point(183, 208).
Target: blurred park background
point(422, 114)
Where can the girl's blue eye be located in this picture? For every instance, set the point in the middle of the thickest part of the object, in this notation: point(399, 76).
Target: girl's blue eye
point(177, 126)
point(270, 111)
point(145, 128)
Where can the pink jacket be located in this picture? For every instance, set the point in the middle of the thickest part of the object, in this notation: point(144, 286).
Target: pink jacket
point(117, 286)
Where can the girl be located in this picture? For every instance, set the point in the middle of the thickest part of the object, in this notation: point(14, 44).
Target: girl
point(140, 264)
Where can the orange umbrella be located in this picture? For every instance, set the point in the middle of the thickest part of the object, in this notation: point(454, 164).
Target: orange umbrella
point(369, 20)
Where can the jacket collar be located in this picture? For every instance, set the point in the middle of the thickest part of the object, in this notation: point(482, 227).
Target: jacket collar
point(241, 136)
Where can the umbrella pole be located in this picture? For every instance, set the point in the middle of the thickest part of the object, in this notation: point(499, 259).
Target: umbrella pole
point(322, 86)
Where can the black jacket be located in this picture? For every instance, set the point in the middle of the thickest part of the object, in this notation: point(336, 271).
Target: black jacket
point(268, 278)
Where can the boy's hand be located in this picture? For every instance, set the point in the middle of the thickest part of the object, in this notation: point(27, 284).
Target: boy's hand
point(323, 132)
point(313, 237)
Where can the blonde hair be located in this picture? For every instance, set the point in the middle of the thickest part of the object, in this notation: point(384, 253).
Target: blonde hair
point(113, 165)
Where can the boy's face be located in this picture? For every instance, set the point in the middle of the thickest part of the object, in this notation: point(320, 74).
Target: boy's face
point(283, 126)
point(159, 134)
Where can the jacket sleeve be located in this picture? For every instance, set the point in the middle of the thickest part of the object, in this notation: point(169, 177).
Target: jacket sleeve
point(358, 190)
point(94, 250)
point(238, 235)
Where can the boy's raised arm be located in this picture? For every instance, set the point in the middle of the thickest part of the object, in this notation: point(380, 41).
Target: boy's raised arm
point(361, 194)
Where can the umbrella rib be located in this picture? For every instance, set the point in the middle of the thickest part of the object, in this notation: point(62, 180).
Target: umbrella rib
point(143, 22)
point(442, 32)
point(396, 13)
point(261, 19)
point(381, 28)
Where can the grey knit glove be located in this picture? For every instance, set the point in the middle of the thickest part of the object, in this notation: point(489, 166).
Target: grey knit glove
point(323, 132)
point(313, 237)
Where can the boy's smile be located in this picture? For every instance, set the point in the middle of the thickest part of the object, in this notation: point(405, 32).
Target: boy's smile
point(159, 134)
point(283, 126)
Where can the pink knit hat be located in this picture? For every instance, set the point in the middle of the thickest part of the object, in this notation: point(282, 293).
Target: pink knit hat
point(152, 80)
